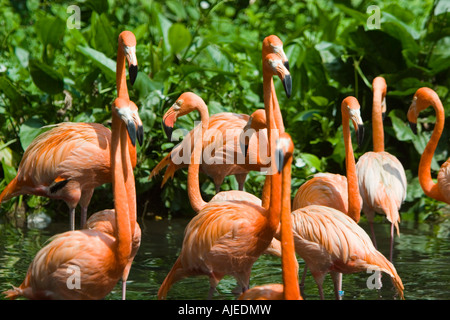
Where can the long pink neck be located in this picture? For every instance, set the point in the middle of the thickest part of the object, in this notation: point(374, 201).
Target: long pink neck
point(430, 188)
point(288, 258)
point(377, 120)
point(354, 204)
point(121, 77)
point(193, 185)
point(122, 181)
point(270, 123)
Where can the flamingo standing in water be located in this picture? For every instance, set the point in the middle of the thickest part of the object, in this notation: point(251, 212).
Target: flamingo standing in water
point(381, 177)
point(86, 264)
point(331, 241)
point(225, 237)
point(289, 290)
point(227, 126)
point(423, 98)
point(69, 161)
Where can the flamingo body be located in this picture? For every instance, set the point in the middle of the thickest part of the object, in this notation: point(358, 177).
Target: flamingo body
point(382, 184)
point(330, 241)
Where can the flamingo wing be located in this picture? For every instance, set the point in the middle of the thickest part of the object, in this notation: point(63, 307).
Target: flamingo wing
point(382, 184)
point(444, 180)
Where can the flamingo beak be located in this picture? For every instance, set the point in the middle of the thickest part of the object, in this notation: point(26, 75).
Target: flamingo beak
point(286, 64)
point(131, 128)
point(413, 127)
point(360, 135)
point(130, 54)
point(287, 84)
point(140, 134)
point(168, 121)
point(279, 159)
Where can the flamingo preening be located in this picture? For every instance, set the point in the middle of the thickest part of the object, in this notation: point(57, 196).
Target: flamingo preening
point(423, 98)
point(70, 160)
point(381, 177)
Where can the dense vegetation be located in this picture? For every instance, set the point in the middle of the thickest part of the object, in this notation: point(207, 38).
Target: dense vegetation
point(50, 73)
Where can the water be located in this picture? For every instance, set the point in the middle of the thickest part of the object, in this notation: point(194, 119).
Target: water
point(421, 257)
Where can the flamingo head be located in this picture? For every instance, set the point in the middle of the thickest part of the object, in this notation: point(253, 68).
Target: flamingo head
point(127, 111)
point(351, 109)
point(274, 65)
point(128, 42)
point(257, 121)
point(273, 44)
point(379, 84)
point(284, 150)
point(186, 103)
point(423, 98)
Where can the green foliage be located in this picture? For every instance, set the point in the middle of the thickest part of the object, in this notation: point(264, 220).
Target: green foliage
point(50, 73)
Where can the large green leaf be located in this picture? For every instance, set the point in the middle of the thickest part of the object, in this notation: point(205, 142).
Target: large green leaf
point(107, 65)
point(50, 30)
point(179, 37)
point(29, 130)
point(45, 77)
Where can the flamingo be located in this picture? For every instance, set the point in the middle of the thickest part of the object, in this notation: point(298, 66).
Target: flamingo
point(225, 237)
point(222, 125)
point(334, 190)
point(86, 264)
point(423, 98)
point(273, 65)
point(381, 176)
point(71, 159)
point(329, 240)
point(289, 290)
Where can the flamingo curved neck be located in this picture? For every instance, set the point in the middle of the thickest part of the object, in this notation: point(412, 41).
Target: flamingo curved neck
point(377, 121)
point(430, 188)
point(354, 205)
point(193, 184)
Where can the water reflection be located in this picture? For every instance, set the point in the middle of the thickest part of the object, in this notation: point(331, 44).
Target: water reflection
point(421, 257)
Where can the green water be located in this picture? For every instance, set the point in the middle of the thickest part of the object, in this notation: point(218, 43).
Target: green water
point(421, 257)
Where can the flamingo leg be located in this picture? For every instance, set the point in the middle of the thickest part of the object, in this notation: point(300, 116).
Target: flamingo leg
point(337, 281)
point(72, 218)
point(392, 243)
point(373, 234)
point(124, 289)
point(302, 282)
point(83, 217)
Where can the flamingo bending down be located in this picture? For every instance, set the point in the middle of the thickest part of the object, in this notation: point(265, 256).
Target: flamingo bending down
point(289, 290)
point(221, 124)
point(330, 240)
point(69, 161)
point(87, 264)
point(423, 98)
point(225, 237)
point(381, 177)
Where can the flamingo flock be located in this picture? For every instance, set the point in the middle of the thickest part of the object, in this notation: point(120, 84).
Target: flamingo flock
point(230, 232)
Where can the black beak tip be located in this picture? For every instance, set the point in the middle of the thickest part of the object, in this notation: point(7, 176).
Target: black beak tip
point(140, 135)
point(133, 71)
point(168, 130)
point(413, 127)
point(279, 160)
point(360, 137)
point(131, 128)
point(383, 115)
point(287, 83)
point(286, 64)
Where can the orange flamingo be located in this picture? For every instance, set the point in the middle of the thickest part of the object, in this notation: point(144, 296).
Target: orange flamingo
point(423, 98)
point(69, 161)
point(219, 125)
point(289, 290)
point(381, 177)
point(275, 66)
point(87, 264)
point(334, 190)
point(330, 240)
point(225, 237)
